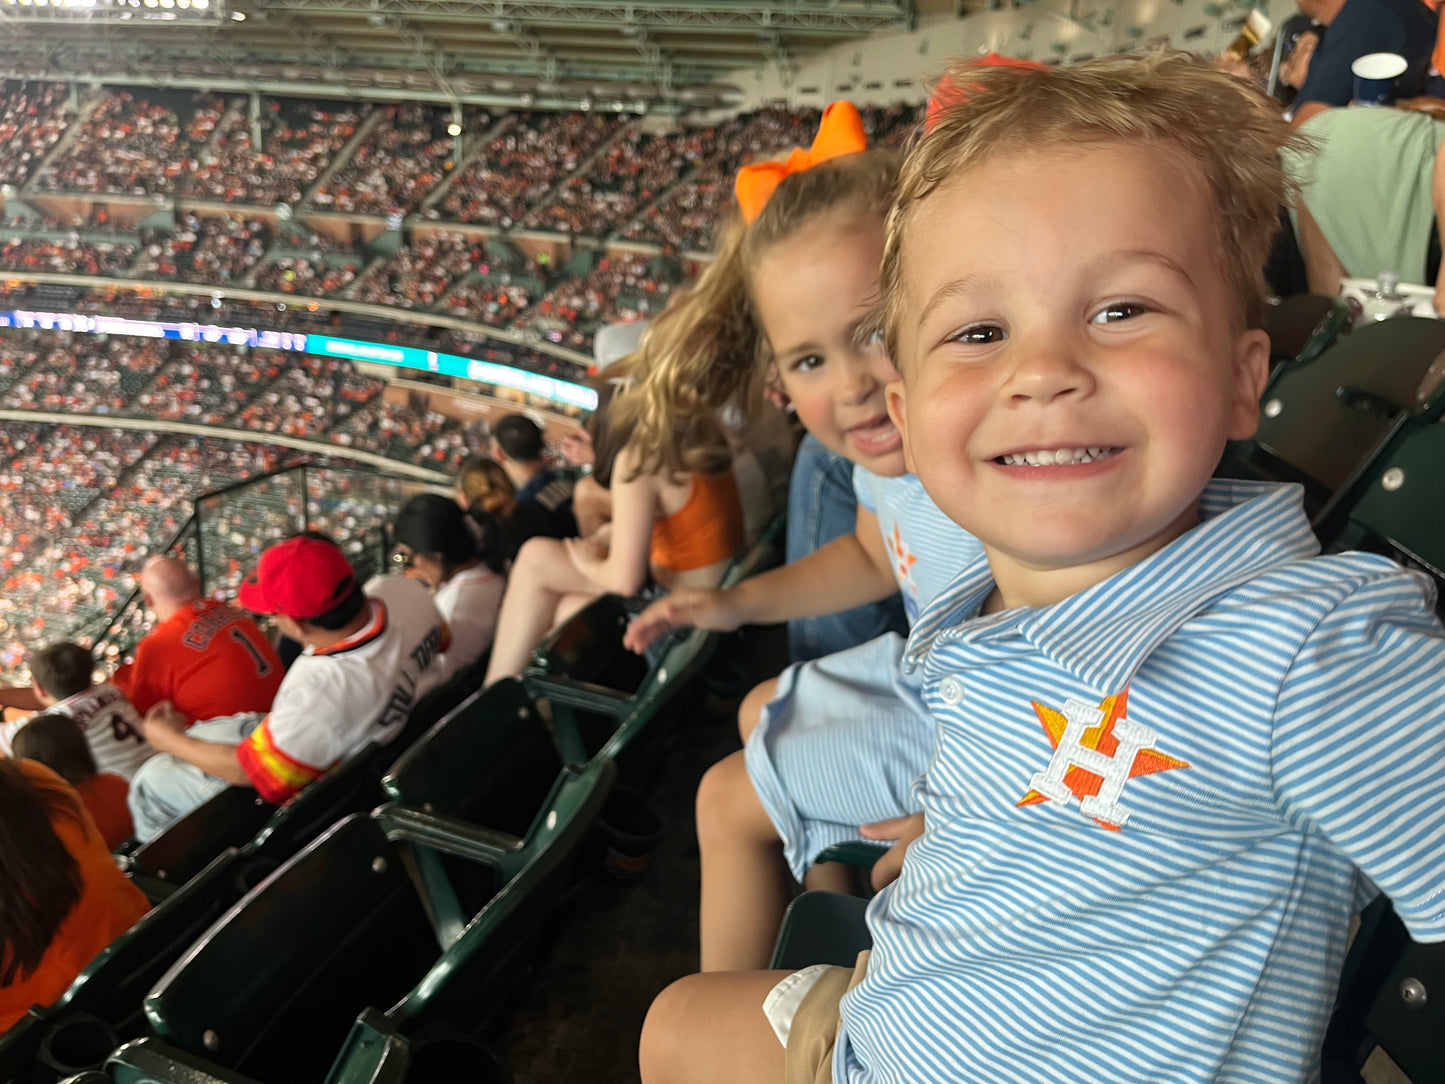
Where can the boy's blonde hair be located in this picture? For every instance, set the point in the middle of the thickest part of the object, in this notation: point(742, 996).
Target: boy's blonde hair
point(706, 351)
point(1171, 102)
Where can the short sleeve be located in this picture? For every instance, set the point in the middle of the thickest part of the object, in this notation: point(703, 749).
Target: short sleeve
point(289, 750)
point(1359, 731)
point(865, 488)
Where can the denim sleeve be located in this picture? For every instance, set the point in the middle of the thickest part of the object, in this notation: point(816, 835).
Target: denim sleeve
point(822, 506)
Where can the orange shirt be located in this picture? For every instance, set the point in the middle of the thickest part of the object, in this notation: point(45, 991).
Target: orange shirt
point(208, 659)
point(104, 795)
point(108, 906)
point(705, 530)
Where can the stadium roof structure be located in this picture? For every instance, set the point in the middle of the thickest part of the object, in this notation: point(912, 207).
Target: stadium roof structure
point(671, 55)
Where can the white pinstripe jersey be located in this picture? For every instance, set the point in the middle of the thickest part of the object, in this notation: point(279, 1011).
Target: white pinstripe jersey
point(1149, 809)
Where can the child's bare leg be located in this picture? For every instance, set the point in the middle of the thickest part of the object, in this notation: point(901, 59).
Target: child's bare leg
point(751, 709)
point(711, 1029)
point(745, 885)
point(830, 877)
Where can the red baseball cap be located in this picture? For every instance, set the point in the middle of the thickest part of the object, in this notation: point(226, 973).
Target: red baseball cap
point(300, 578)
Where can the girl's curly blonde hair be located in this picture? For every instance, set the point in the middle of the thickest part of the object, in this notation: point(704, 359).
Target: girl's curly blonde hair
point(706, 351)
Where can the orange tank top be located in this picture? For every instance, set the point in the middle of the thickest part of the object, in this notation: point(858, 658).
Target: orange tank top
point(705, 530)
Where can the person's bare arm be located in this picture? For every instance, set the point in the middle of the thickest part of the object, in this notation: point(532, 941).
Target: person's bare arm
point(19, 696)
point(849, 571)
point(1305, 110)
point(165, 729)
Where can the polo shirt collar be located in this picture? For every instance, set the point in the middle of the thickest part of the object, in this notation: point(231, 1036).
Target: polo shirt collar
point(1102, 635)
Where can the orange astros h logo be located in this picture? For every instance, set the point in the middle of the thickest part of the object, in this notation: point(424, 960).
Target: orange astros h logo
point(903, 561)
point(1096, 751)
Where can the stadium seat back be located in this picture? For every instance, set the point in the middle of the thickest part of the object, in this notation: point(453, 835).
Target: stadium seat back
point(588, 647)
point(1302, 327)
point(230, 819)
point(1321, 423)
point(113, 985)
point(352, 786)
point(1390, 997)
point(822, 928)
point(490, 762)
point(477, 972)
point(272, 988)
point(1401, 502)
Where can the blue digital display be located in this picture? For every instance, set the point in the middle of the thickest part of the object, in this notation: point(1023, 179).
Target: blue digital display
point(406, 357)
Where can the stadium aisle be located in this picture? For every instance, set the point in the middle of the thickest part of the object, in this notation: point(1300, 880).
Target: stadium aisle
point(615, 947)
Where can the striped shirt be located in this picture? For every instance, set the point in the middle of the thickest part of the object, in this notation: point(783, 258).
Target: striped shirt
point(1149, 811)
point(925, 547)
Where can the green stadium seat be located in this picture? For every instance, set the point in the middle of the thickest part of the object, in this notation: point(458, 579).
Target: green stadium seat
point(1301, 328)
point(491, 761)
point(103, 1005)
point(1321, 424)
point(1398, 504)
point(230, 819)
point(822, 928)
point(854, 852)
point(1390, 997)
point(423, 917)
point(150, 1061)
point(588, 648)
point(238, 817)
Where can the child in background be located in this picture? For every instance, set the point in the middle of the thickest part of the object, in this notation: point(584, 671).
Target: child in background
point(1172, 740)
point(56, 741)
point(61, 679)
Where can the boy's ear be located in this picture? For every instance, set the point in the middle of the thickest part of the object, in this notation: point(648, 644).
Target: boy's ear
point(897, 410)
point(1251, 371)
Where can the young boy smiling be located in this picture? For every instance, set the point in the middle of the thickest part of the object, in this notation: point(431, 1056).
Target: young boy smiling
point(1171, 739)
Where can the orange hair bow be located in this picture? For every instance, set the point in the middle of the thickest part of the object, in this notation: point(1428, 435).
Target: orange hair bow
point(840, 132)
point(948, 93)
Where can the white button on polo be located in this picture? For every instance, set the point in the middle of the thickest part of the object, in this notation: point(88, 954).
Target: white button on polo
point(951, 689)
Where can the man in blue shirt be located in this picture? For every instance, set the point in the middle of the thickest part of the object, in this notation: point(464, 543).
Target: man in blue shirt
point(1353, 29)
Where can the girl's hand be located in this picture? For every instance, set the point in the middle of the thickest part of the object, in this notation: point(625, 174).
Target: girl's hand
point(697, 607)
point(903, 829)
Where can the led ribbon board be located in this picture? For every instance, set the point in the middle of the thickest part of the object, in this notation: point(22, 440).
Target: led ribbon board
point(405, 357)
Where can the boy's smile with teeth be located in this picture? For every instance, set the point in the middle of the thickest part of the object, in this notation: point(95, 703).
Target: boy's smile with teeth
point(1057, 457)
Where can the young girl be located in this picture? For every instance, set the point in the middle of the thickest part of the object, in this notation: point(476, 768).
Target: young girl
point(62, 899)
point(807, 277)
point(677, 517)
point(435, 545)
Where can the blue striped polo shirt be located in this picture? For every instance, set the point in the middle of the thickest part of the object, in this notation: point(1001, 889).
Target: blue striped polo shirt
point(925, 547)
point(1150, 808)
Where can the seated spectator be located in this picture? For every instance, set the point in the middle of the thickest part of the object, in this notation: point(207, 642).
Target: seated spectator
point(61, 677)
point(368, 656)
point(435, 545)
point(204, 657)
point(1354, 28)
point(677, 518)
point(62, 899)
point(517, 444)
point(54, 740)
point(486, 494)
